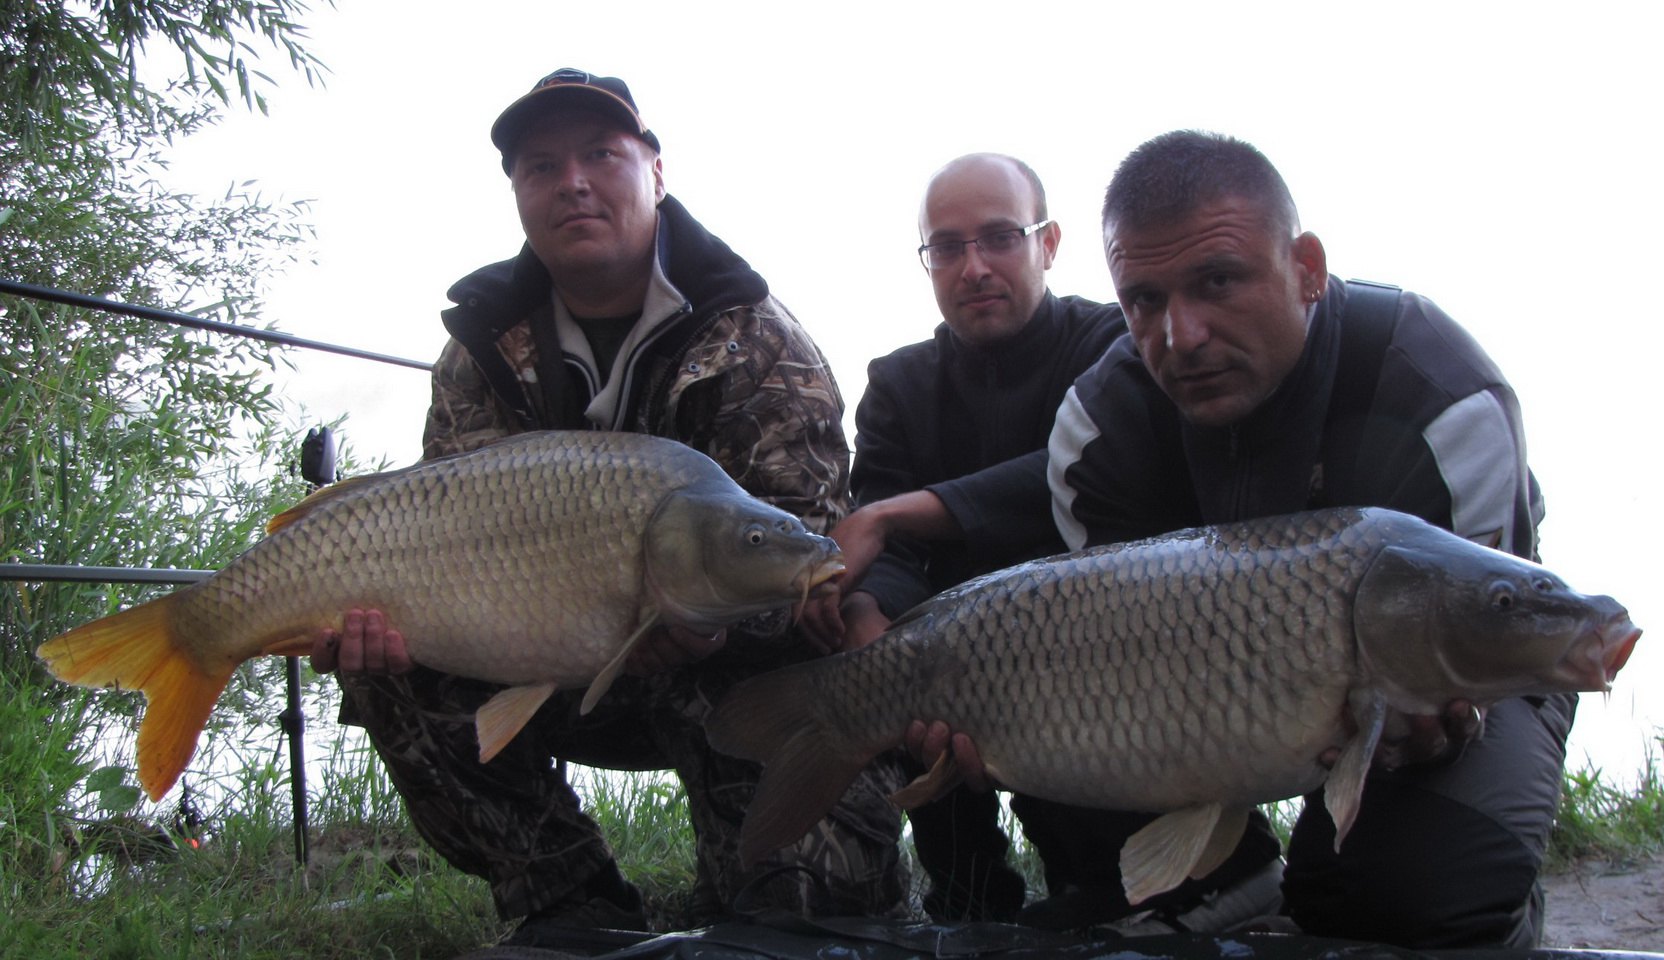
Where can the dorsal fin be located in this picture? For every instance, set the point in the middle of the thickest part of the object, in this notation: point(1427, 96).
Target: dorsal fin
point(316, 498)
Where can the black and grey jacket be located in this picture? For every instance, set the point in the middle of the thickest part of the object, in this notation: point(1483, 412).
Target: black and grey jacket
point(1435, 431)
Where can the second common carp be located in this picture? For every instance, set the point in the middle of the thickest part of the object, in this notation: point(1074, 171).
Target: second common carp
point(1195, 674)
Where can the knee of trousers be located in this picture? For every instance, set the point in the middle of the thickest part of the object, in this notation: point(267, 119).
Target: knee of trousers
point(1443, 875)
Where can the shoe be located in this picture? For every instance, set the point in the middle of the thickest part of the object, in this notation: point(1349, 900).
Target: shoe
point(583, 927)
point(1252, 903)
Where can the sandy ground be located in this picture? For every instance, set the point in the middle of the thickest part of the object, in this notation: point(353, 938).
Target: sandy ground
point(1607, 906)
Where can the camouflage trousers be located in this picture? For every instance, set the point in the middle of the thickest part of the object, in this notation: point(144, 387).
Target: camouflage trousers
point(517, 822)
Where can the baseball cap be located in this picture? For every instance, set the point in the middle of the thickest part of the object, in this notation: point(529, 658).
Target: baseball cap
point(606, 94)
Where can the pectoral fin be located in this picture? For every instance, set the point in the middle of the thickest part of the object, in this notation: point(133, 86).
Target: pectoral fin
point(1344, 789)
point(500, 718)
point(933, 784)
point(615, 666)
point(1177, 845)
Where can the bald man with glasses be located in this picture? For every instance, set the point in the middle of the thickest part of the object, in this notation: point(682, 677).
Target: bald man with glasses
point(982, 390)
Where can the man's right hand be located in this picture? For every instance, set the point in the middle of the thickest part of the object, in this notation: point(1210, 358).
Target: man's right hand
point(837, 622)
point(364, 644)
point(860, 536)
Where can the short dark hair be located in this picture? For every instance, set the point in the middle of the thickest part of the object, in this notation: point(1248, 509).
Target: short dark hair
point(1172, 176)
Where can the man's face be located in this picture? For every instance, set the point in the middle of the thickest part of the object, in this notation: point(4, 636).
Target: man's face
point(1217, 304)
point(986, 298)
point(588, 194)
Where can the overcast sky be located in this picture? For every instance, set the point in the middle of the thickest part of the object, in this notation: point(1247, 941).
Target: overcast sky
point(1500, 158)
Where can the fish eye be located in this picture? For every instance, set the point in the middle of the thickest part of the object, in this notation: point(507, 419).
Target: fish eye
point(1543, 585)
point(755, 535)
point(1502, 596)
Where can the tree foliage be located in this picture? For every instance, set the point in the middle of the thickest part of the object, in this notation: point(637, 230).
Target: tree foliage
point(123, 441)
point(66, 72)
point(121, 438)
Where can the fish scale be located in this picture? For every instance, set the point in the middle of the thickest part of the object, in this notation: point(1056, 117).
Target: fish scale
point(1194, 674)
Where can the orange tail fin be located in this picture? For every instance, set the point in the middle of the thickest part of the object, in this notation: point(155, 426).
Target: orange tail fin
point(137, 650)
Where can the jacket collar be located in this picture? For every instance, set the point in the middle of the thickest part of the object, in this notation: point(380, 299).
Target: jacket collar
point(695, 276)
point(1027, 348)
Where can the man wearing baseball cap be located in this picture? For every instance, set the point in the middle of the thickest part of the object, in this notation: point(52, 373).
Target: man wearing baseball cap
point(621, 312)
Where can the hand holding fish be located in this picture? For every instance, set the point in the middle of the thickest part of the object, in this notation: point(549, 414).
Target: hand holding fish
point(364, 644)
point(1414, 738)
point(949, 754)
point(821, 619)
point(864, 622)
point(665, 648)
point(861, 535)
point(846, 619)
point(836, 622)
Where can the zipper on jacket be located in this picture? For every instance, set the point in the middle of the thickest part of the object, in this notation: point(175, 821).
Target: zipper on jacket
point(659, 390)
point(992, 440)
point(1241, 483)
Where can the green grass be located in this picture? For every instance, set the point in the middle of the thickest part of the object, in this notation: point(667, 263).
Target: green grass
point(80, 881)
point(100, 883)
point(1600, 820)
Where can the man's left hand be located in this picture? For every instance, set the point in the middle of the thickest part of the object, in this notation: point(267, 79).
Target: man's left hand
point(665, 648)
point(927, 742)
point(1424, 739)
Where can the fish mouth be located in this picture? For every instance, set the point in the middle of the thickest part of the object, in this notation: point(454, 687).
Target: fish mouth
point(823, 571)
point(1593, 662)
point(1618, 654)
point(816, 581)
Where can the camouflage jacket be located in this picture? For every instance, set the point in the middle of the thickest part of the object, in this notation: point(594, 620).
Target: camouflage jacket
point(715, 362)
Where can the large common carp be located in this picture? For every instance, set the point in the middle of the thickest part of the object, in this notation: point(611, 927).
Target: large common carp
point(536, 562)
point(1195, 675)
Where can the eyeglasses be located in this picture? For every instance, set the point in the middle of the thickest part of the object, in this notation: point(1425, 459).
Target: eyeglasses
point(947, 253)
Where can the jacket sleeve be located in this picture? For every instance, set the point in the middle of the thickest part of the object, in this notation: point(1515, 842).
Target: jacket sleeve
point(884, 468)
point(1464, 467)
point(772, 417)
point(464, 414)
point(1116, 468)
point(1003, 509)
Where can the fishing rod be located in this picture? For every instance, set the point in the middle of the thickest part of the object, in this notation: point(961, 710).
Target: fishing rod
point(71, 299)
